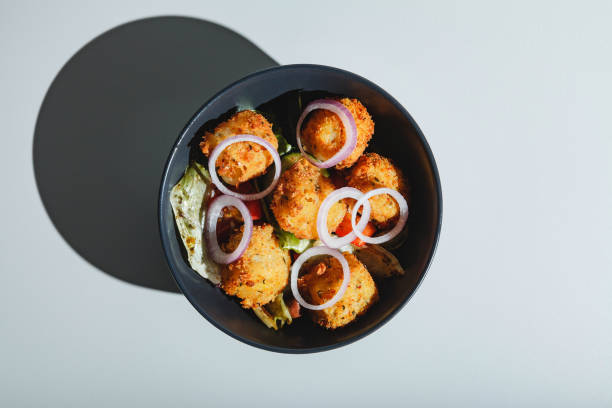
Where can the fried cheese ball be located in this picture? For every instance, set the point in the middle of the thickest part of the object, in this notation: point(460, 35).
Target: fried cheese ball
point(241, 161)
point(323, 280)
point(297, 198)
point(261, 273)
point(374, 171)
point(323, 133)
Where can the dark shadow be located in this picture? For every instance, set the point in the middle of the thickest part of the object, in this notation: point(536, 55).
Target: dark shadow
point(107, 124)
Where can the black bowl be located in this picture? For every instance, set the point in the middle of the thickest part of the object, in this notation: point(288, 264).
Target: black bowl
point(396, 136)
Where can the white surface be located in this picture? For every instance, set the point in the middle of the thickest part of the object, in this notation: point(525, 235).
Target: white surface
point(517, 307)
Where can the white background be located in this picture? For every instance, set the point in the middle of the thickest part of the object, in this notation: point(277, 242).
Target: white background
point(516, 310)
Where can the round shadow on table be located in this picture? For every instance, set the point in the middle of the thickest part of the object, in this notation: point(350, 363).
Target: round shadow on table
point(107, 123)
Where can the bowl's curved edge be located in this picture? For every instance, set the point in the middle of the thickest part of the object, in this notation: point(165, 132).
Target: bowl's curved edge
point(164, 190)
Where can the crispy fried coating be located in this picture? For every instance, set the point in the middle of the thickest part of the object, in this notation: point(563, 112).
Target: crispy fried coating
point(323, 134)
point(374, 171)
point(297, 198)
point(241, 161)
point(261, 273)
point(323, 280)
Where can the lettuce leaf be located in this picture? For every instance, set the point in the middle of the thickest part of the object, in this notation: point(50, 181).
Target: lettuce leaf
point(189, 199)
point(283, 145)
point(289, 160)
point(279, 310)
point(289, 241)
point(265, 317)
point(275, 314)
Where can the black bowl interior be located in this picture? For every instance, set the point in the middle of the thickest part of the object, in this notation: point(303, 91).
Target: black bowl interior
point(396, 136)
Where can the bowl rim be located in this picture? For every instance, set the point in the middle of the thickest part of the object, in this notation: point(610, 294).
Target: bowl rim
point(164, 190)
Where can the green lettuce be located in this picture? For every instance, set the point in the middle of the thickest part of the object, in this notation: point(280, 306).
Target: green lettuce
point(289, 241)
point(283, 145)
point(289, 160)
point(189, 199)
point(275, 314)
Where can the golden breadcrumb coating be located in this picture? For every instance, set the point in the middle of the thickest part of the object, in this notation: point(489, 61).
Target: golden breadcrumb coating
point(323, 280)
point(374, 171)
point(261, 273)
point(323, 134)
point(241, 161)
point(297, 198)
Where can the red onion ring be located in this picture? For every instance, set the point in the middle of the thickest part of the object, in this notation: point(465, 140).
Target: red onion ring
point(350, 130)
point(210, 228)
point(212, 168)
point(295, 270)
point(326, 205)
point(403, 205)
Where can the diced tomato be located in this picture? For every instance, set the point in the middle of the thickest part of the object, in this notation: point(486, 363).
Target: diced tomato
point(254, 206)
point(294, 308)
point(255, 209)
point(345, 228)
